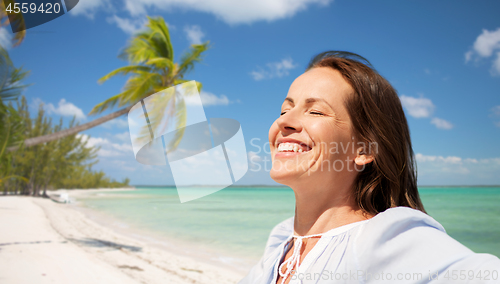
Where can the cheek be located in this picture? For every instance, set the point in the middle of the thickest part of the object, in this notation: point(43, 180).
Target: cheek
point(273, 132)
point(323, 133)
point(331, 138)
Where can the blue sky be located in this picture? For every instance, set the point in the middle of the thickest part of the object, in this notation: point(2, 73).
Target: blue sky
point(443, 57)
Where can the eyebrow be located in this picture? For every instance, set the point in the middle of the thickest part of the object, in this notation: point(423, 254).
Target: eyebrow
point(309, 100)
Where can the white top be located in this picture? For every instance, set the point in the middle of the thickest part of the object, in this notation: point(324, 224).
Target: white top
point(399, 245)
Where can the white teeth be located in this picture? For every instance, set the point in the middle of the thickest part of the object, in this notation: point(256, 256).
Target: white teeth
point(289, 147)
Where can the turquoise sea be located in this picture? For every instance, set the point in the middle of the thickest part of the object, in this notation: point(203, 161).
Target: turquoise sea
point(236, 221)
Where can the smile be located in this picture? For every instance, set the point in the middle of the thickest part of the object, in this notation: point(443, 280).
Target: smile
point(293, 147)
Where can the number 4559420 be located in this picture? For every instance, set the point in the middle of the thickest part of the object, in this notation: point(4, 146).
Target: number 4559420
point(47, 8)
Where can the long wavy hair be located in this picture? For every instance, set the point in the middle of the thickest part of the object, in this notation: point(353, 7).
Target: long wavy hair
point(378, 119)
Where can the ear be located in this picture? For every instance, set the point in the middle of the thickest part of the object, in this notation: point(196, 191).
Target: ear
point(362, 158)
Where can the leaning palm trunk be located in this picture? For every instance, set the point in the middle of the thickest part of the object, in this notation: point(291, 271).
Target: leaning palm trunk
point(151, 55)
point(71, 131)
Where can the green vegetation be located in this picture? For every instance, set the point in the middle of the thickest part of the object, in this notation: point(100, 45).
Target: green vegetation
point(151, 68)
point(63, 163)
point(11, 125)
point(16, 17)
point(36, 155)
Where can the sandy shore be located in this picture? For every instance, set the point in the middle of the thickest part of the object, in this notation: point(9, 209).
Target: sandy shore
point(45, 242)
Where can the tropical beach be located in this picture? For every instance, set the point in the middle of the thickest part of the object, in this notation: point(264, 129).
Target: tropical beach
point(86, 93)
point(60, 245)
point(132, 235)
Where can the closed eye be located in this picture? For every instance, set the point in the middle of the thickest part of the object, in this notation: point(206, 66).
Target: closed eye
point(316, 113)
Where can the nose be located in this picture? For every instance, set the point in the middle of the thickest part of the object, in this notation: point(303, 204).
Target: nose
point(289, 123)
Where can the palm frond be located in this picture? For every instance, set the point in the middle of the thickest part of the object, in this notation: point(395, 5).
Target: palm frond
point(10, 77)
point(145, 86)
point(136, 88)
point(139, 49)
point(153, 48)
point(125, 71)
point(199, 85)
point(151, 43)
point(17, 19)
point(161, 63)
point(4, 57)
point(109, 103)
point(159, 28)
point(160, 107)
point(192, 56)
point(180, 118)
point(11, 128)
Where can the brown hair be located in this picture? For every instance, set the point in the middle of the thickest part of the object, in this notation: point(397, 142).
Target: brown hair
point(377, 117)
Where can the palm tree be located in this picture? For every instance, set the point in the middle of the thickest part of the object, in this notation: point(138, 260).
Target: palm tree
point(11, 124)
point(152, 69)
point(15, 17)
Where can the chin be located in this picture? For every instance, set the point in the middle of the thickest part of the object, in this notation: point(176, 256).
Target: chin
point(285, 177)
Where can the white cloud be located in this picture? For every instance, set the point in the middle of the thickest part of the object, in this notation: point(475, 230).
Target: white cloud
point(65, 108)
point(115, 123)
point(129, 26)
point(258, 75)
point(496, 110)
point(496, 65)
point(487, 42)
point(252, 156)
point(422, 108)
point(5, 38)
point(194, 34)
point(455, 160)
point(107, 148)
point(254, 159)
point(136, 7)
point(490, 161)
point(124, 137)
point(468, 55)
point(484, 47)
point(417, 107)
point(457, 170)
point(208, 99)
point(274, 69)
point(444, 165)
point(88, 8)
point(495, 114)
point(440, 159)
point(230, 11)
point(441, 123)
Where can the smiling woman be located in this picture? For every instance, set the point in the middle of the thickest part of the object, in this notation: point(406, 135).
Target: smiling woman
point(343, 145)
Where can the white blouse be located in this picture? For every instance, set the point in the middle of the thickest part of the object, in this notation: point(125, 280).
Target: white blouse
point(399, 245)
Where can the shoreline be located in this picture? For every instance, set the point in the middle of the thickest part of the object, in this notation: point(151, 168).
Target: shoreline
point(154, 239)
point(40, 230)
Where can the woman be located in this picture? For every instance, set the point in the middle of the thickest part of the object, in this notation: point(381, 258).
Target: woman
point(343, 145)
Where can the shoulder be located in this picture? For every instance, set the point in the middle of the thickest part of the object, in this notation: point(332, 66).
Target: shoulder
point(279, 234)
point(399, 219)
point(401, 238)
point(399, 228)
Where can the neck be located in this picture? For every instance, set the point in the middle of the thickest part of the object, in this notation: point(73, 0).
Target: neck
point(320, 210)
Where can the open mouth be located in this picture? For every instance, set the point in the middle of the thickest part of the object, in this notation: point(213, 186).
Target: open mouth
point(293, 147)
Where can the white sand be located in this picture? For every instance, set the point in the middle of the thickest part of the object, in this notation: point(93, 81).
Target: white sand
point(45, 242)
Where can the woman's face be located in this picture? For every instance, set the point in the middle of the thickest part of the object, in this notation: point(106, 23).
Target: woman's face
point(312, 141)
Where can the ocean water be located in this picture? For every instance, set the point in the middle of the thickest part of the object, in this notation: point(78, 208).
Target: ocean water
point(236, 221)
